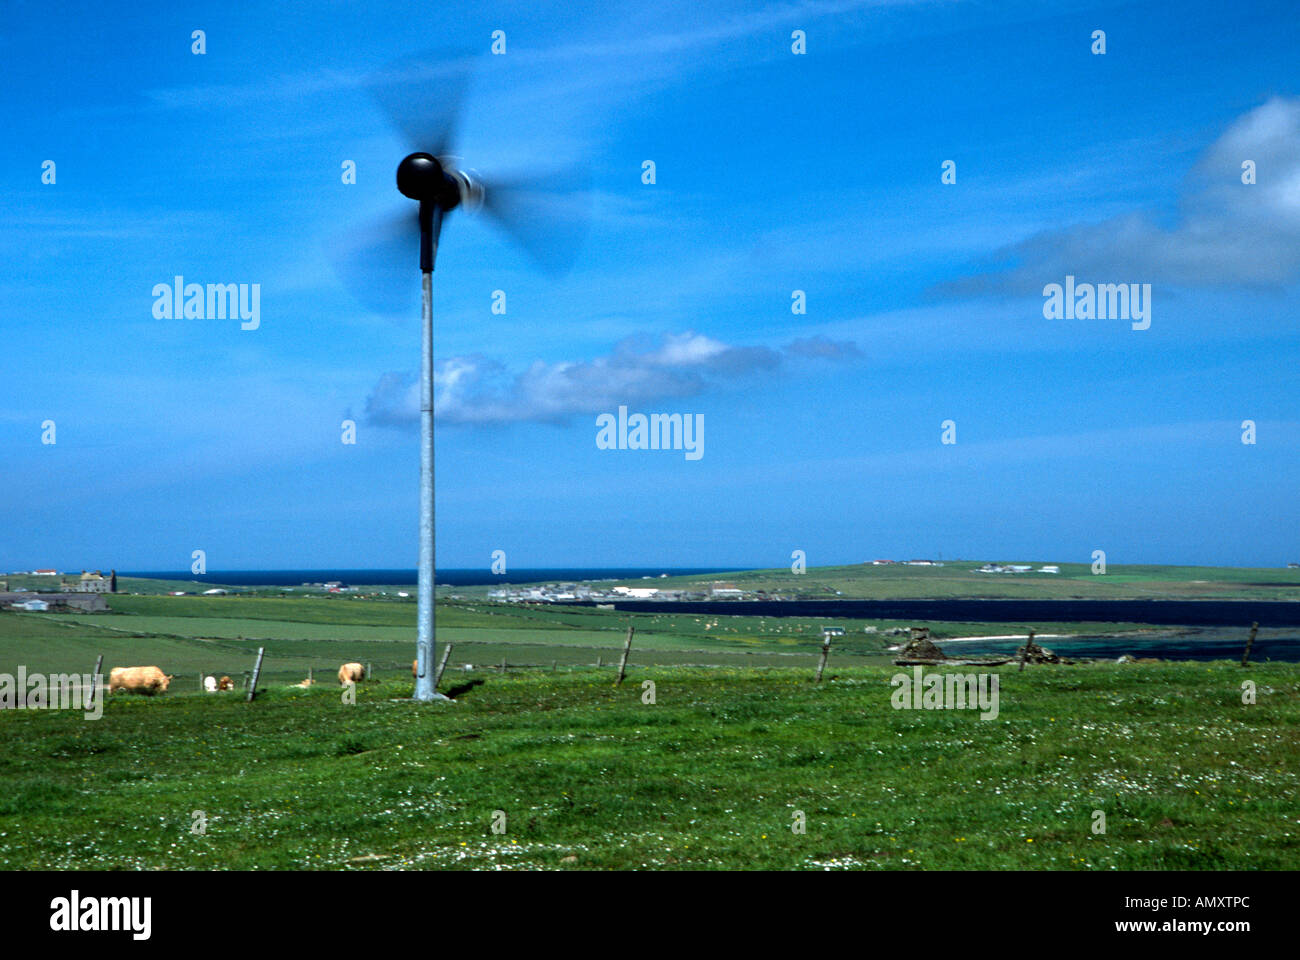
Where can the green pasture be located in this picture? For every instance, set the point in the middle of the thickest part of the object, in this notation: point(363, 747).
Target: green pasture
point(716, 773)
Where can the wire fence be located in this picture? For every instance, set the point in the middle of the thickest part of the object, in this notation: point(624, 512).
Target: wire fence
point(492, 656)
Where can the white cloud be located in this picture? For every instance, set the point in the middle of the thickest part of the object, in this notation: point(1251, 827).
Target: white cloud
point(478, 390)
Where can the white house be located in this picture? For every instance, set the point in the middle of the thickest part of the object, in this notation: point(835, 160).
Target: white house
point(638, 593)
point(35, 606)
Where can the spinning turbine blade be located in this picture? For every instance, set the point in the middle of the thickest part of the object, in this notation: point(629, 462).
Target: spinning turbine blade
point(546, 215)
point(375, 262)
point(422, 98)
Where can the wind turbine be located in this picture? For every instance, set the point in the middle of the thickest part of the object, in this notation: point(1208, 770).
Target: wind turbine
point(422, 99)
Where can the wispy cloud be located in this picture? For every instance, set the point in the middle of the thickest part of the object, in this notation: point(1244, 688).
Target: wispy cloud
point(480, 390)
point(1205, 244)
point(637, 44)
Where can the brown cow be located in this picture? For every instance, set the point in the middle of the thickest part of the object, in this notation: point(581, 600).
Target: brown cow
point(225, 683)
point(351, 673)
point(415, 669)
point(147, 680)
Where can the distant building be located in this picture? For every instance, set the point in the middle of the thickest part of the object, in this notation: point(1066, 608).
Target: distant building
point(92, 583)
point(35, 606)
point(215, 592)
point(1049, 568)
point(637, 593)
point(1010, 568)
point(45, 573)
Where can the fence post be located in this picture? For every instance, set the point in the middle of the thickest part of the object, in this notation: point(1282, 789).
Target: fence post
point(826, 652)
point(1024, 653)
point(555, 665)
point(94, 677)
point(503, 664)
point(600, 661)
point(622, 664)
point(1250, 642)
point(309, 679)
point(257, 672)
point(442, 665)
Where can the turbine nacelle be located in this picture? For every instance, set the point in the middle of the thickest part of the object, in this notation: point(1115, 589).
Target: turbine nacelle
point(423, 177)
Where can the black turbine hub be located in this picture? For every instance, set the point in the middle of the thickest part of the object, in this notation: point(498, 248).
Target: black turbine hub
point(421, 177)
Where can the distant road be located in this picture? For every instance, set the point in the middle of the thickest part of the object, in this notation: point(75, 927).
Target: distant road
point(1196, 613)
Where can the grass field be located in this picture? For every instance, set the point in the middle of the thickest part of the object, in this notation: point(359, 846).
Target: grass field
point(709, 776)
point(187, 636)
point(589, 776)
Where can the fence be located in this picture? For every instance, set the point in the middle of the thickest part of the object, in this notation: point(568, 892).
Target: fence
point(503, 656)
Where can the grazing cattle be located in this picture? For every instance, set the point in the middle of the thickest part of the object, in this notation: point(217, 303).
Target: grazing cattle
point(225, 683)
point(303, 683)
point(351, 673)
point(148, 680)
point(210, 684)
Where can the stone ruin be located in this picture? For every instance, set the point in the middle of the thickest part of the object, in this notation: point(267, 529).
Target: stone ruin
point(921, 647)
point(1033, 653)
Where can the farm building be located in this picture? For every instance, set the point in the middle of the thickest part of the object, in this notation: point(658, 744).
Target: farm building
point(56, 602)
point(92, 583)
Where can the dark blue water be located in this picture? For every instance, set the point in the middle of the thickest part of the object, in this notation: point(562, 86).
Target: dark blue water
point(1201, 613)
point(1227, 622)
point(456, 578)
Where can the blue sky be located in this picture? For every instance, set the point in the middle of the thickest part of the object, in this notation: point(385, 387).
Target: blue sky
point(774, 172)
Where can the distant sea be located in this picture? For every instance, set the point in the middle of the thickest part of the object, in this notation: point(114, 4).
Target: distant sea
point(456, 577)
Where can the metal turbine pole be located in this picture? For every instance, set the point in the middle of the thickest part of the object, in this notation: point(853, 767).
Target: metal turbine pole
point(430, 222)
